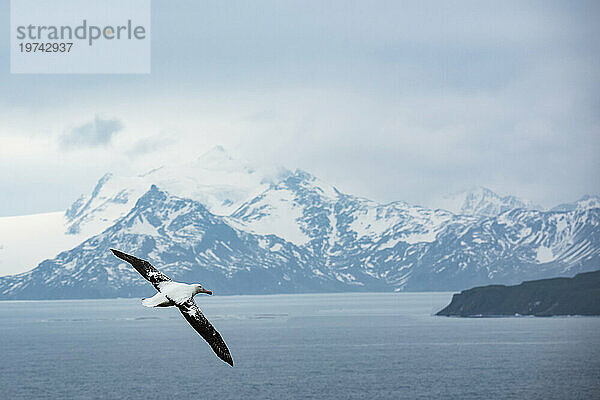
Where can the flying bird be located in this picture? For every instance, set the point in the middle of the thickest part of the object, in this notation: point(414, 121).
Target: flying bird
point(180, 295)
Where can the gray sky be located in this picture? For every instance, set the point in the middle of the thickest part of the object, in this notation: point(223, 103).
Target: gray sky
point(388, 100)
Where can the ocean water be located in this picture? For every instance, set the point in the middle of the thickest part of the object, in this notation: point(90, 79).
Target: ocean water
point(325, 346)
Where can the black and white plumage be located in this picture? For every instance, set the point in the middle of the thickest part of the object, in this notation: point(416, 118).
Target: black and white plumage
point(180, 295)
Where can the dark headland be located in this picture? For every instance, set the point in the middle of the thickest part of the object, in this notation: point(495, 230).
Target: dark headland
point(579, 295)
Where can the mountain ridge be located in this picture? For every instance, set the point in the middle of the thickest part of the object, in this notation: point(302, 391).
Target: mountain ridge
point(358, 243)
point(353, 245)
point(481, 202)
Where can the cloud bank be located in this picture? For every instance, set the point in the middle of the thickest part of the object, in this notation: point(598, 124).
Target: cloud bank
point(95, 133)
point(390, 100)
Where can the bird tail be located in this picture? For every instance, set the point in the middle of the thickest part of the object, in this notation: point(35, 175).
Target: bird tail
point(158, 300)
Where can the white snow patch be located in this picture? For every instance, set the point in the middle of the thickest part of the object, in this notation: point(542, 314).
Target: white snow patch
point(280, 217)
point(389, 244)
point(561, 225)
point(276, 247)
point(344, 277)
point(143, 227)
point(544, 254)
point(525, 232)
point(367, 223)
point(212, 254)
point(414, 238)
point(70, 265)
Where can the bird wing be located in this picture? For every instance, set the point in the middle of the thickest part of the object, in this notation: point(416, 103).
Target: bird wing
point(145, 269)
point(194, 316)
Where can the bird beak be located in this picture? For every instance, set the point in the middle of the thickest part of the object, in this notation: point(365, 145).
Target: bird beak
point(206, 291)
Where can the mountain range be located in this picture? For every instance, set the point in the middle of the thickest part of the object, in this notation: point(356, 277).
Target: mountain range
point(483, 202)
point(243, 230)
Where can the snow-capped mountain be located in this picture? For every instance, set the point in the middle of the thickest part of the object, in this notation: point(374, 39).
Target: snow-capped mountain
point(216, 179)
point(584, 203)
point(309, 212)
point(187, 241)
point(481, 202)
point(515, 246)
point(303, 235)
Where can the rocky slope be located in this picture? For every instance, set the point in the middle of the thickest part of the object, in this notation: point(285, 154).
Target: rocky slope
point(302, 235)
point(183, 239)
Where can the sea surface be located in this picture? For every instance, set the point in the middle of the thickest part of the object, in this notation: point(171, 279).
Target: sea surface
point(313, 346)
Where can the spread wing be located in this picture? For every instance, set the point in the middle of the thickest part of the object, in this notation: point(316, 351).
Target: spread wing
point(194, 316)
point(145, 269)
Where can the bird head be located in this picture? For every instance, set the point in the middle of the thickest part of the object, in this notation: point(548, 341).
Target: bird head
point(200, 289)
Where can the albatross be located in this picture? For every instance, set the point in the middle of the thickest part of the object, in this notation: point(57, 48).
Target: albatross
point(180, 295)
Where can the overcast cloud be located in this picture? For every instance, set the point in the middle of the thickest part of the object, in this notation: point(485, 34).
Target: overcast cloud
point(98, 132)
point(388, 100)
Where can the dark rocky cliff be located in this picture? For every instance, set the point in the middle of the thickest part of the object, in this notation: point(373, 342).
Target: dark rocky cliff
point(579, 295)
